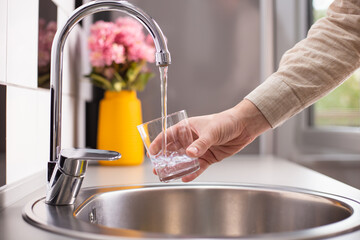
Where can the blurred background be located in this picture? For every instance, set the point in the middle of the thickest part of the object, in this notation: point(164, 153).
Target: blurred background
point(221, 50)
point(215, 53)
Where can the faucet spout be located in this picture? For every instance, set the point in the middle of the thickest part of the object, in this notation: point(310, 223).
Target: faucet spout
point(162, 58)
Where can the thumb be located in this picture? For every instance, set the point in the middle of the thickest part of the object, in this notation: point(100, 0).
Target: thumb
point(199, 146)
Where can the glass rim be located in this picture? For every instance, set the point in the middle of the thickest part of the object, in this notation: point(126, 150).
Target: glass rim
point(160, 118)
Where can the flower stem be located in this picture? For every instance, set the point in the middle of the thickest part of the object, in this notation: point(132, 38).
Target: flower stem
point(101, 80)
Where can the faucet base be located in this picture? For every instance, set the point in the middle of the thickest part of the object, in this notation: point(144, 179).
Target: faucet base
point(63, 188)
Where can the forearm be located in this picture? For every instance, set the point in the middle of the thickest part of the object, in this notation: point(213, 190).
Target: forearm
point(314, 66)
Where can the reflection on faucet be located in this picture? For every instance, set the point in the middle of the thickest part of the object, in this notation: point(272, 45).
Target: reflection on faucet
point(66, 168)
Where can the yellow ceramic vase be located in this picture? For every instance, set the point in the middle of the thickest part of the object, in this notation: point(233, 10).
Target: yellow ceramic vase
point(119, 114)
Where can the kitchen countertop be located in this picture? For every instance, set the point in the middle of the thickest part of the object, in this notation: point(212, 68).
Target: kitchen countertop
point(237, 169)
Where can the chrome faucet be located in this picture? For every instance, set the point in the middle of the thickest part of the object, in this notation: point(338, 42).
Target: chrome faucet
point(66, 168)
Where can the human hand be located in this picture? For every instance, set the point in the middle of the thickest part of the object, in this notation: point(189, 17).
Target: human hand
point(216, 136)
point(222, 135)
point(178, 138)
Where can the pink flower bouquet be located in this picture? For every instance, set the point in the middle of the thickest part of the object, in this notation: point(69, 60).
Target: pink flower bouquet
point(118, 53)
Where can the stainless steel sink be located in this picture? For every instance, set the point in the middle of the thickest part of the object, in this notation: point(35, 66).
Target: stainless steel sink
point(199, 211)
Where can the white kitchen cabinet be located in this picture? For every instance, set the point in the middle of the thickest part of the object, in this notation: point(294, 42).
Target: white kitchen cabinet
point(21, 134)
point(3, 30)
point(22, 38)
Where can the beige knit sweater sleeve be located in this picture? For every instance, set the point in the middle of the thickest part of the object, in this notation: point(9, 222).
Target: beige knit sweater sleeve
point(314, 66)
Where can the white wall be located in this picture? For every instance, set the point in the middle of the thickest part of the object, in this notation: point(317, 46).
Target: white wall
point(215, 51)
point(28, 107)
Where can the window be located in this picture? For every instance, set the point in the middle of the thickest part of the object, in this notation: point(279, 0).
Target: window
point(342, 106)
point(329, 129)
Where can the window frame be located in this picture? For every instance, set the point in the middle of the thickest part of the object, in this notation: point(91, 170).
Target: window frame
point(328, 136)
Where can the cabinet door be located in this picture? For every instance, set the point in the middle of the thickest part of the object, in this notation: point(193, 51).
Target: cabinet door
point(3, 25)
point(22, 41)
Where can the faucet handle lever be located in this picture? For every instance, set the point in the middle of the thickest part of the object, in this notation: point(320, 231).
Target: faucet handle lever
point(74, 161)
point(89, 154)
point(67, 174)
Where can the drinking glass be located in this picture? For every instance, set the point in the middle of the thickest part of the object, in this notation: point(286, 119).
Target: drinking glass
point(169, 157)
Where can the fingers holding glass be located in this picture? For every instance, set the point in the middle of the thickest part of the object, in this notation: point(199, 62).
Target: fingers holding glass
point(169, 157)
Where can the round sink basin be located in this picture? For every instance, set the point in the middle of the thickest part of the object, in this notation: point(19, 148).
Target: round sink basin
point(199, 211)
